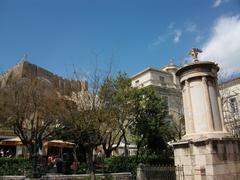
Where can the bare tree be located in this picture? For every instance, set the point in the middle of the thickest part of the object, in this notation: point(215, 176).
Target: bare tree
point(33, 108)
point(86, 116)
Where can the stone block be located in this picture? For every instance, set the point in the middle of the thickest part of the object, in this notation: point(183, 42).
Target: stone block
point(187, 160)
point(177, 160)
point(188, 170)
point(200, 150)
point(177, 152)
point(235, 148)
point(221, 169)
point(209, 159)
point(216, 158)
point(186, 151)
point(229, 148)
point(220, 148)
point(219, 158)
point(209, 170)
point(188, 177)
point(210, 149)
point(200, 160)
point(238, 166)
point(225, 177)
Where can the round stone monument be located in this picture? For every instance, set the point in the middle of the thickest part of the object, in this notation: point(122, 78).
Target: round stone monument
point(201, 99)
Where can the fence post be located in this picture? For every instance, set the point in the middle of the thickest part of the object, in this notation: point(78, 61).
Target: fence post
point(140, 172)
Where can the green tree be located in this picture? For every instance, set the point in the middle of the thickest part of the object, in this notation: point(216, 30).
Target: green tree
point(151, 127)
point(116, 99)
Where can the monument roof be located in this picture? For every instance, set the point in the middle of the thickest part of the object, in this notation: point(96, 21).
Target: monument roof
point(196, 64)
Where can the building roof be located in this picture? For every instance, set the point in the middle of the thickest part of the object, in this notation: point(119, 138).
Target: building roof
point(230, 82)
point(147, 70)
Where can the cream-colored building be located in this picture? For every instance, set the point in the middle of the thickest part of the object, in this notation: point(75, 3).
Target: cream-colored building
point(230, 93)
point(165, 83)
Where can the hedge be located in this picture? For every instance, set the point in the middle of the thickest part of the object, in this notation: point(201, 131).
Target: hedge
point(129, 164)
point(14, 166)
point(114, 164)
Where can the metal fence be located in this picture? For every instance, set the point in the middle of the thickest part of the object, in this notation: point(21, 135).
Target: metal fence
point(146, 172)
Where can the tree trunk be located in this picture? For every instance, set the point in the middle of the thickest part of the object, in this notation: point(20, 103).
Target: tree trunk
point(107, 150)
point(89, 157)
point(139, 144)
point(33, 151)
point(108, 153)
point(125, 147)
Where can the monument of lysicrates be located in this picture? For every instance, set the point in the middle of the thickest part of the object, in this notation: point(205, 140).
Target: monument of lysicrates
point(207, 151)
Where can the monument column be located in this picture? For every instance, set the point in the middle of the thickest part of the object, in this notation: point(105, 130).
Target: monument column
point(188, 107)
point(206, 147)
point(208, 104)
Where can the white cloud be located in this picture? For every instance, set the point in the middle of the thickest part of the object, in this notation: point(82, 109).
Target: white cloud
point(217, 3)
point(198, 38)
point(171, 33)
point(177, 35)
point(191, 27)
point(171, 25)
point(159, 40)
point(223, 45)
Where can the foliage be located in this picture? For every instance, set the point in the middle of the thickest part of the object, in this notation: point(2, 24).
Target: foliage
point(82, 168)
point(151, 126)
point(116, 100)
point(14, 166)
point(129, 164)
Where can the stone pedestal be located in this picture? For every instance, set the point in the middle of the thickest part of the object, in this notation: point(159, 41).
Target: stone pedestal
point(209, 159)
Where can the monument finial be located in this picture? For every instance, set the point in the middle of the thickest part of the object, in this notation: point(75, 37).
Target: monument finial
point(171, 61)
point(194, 53)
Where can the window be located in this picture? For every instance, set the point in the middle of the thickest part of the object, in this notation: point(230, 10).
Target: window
point(137, 82)
point(233, 105)
point(161, 79)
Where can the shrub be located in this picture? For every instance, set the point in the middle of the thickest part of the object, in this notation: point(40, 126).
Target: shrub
point(129, 164)
point(82, 168)
point(14, 166)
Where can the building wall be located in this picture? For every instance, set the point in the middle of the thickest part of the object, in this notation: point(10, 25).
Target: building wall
point(165, 85)
point(230, 93)
point(155, 78)
point(142, 81)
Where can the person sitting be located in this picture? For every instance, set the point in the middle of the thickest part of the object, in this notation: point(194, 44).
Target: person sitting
point(1, 153)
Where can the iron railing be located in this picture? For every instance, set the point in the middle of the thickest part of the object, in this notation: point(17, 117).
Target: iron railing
point(147, 172)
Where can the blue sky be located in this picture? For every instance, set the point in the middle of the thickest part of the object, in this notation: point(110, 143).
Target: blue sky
point(133, 35)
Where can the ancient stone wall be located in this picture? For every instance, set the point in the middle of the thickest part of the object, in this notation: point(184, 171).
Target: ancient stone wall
point(24, 69)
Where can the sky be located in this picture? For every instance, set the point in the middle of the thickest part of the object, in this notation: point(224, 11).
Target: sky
point(128, 35)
